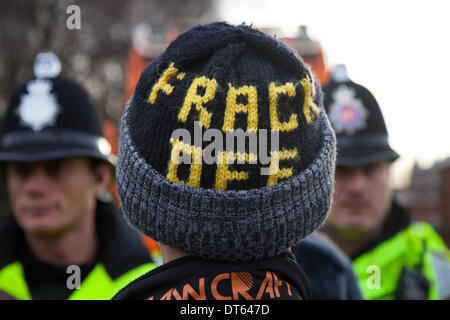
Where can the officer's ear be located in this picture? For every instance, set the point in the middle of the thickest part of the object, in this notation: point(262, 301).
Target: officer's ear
point(102, 175)
point(3, 166)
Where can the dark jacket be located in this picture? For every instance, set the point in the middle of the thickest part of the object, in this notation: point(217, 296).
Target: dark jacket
point(120, 258)
point(328, 269)
point(191, 278)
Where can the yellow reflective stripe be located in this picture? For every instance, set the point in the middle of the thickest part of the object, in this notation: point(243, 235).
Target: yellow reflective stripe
point(12, 281)
point(94, 285)
point(98, 285)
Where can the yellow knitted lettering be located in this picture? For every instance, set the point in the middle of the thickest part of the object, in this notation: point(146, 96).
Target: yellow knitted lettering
point(232, 107)
point(192, 97)
point(224, 174)
point(162, 84)
point(196, 163)
point(275, 173)
point(310, 92)
point(248, 158)
point(274, 91)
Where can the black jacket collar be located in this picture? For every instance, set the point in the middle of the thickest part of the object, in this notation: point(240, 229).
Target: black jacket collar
point(120, 248)
point(190, 278)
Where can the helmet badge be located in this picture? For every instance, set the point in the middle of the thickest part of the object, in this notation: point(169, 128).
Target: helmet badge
point(39, 107)
point(347, 113)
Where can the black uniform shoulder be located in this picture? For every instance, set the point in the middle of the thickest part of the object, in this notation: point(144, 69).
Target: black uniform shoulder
point(10, 235)
point(120, 246)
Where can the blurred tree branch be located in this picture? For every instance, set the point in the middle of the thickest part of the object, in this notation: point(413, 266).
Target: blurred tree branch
point(95, 55)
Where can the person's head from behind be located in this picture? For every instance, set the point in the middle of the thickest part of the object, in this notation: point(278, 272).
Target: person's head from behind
point(52, 153)
point(215, 80)
point(363, 195)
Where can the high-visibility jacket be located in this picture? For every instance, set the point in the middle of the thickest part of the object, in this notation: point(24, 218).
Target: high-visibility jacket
point(413, 263)
point(98, 284)
point(121, 258)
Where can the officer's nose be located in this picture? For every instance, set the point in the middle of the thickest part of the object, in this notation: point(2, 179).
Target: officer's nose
point(357, 181)
point(36, 181)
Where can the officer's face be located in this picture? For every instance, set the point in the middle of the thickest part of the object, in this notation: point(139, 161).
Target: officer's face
point(362, 199)
point(51, 197)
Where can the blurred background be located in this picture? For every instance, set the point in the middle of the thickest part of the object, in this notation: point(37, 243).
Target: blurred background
point(398, 49)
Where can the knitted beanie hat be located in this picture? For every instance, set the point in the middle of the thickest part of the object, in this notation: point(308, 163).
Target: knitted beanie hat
point(225, 150)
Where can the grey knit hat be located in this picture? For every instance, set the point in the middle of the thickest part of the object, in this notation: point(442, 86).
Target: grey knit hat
point(214, 80)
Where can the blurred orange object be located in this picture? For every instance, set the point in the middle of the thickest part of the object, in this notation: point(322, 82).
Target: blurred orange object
point(148, 42)
point(111, 134)
point(135, 65)
point(312, 53)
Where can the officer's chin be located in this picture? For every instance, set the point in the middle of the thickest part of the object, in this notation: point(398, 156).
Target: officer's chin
point(43, 227)
point(46, 232)
point(349, 232)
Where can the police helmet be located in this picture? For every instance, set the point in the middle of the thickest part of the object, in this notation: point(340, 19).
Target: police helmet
point(356, 117)
point(51, 117)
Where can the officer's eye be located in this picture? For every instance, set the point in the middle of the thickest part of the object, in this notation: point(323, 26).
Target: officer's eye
point(344, 171)
point(370, 169)
point(54, 168)
point(373, 169)
point(22, 170)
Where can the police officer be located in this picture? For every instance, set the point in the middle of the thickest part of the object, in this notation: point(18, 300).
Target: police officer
point(392, 257)
point(61, 241)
